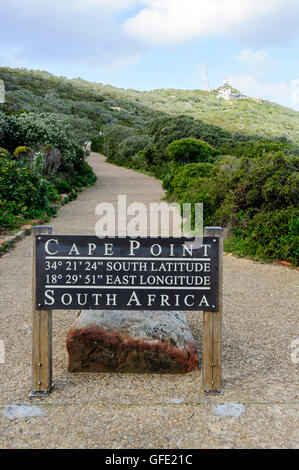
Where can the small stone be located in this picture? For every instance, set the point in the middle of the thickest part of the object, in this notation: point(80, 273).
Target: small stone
point(20, 234)
point(20, 412)
point(229, 410)
point(131, 341)
point(177, 401)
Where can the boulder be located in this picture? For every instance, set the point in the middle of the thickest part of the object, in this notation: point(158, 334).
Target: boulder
point(131, 341)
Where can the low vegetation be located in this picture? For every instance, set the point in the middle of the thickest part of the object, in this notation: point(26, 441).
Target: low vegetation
point(38, 163)
point(254, 198)
point(247, 184)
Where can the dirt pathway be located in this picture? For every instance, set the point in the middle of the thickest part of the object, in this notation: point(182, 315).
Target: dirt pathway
point(136, 411)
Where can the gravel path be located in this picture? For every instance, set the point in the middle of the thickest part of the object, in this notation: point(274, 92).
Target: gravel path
point(135, 411)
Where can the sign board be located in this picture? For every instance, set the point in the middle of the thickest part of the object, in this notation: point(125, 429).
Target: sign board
point(86, 272)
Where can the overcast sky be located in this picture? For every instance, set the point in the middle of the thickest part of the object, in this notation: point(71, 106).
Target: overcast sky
point(149, 44)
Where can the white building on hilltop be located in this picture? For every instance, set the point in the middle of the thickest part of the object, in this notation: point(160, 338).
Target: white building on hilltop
point(228, 93)
point(225, 93)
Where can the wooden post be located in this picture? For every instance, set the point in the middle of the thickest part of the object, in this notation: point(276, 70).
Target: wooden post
point(212, 329)
point(41, 333)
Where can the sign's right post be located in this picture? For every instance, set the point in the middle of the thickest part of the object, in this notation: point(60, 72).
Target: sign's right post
point(212, 329)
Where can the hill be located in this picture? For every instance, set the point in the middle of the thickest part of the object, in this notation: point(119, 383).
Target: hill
point(91, 105)
point(266, 119)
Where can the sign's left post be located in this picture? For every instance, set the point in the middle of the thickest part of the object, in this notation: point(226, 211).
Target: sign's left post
point(41, 332)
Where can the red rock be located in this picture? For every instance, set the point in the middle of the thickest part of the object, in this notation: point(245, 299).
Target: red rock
point(139, 341)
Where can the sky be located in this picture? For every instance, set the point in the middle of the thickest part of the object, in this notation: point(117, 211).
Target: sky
point(150, 44)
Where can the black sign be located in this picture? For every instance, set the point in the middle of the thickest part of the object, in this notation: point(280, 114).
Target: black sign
point(86, 272)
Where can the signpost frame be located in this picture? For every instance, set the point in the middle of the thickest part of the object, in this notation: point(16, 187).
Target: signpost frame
point(42, 331)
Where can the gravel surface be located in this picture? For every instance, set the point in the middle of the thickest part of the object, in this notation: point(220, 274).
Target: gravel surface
point(155, 411)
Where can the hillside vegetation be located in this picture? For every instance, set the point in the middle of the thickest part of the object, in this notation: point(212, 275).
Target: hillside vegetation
point(94, 104)
point(240, 158)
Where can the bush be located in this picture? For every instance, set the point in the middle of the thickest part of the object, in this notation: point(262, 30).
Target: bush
point(35, 131)
point(47, 159)
point(190, 151)
point(85, 177)
point(79, 159)
point(269, 236)
point(62, 186)
point(4, 154)
point(181, 179)
point(166, 129)
point(255, 198)
point(114, 135)
point(130, 146)
point(97, 144)
point(254, 149)
point(268, 182)
point(22, 152)
point(22, 192)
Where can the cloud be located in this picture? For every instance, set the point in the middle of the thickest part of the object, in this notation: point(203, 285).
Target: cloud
point(254, 75)
point(254, 59)
point(174, 21)
point(295, 91)
point(257, 62)
point(283, 93)
point(82, 34)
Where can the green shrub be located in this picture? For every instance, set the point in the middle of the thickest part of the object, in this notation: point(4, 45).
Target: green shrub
point(35, 131)
point(254, 149)
point(130, 146)
point(21, 152)
point(85, 177)
point(97, 144)
point(255, 198)
point(62, 186)
point(190, 151)
point(4, 154)
point(152, 161)
point(23, 192)
point(181, 179)
point(269, 236)
point(79, 159)
point(46, 163)
point(167, 129)
point(114, 135)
